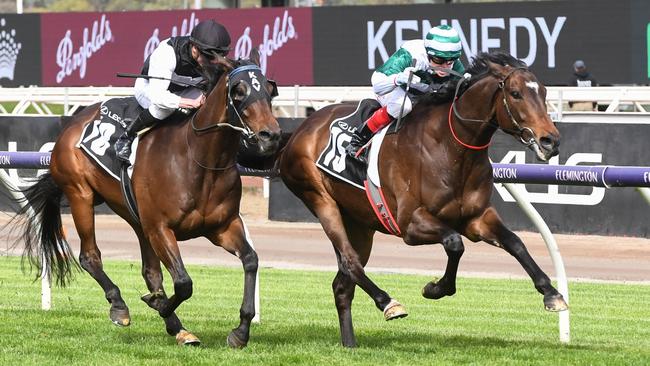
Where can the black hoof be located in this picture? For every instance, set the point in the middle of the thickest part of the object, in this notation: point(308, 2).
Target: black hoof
point(435, 291)
point(555, 303)
point(235, 341)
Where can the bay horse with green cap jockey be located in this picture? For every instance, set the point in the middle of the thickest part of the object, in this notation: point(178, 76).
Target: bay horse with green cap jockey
point(440, 49)
point(174, 62)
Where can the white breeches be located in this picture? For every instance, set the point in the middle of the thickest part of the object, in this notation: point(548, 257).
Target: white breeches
point(393, 102)
point(161, 104)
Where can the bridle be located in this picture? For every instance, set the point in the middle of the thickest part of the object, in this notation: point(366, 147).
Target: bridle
point(234, 114)
point(252, 95)
point(518, 131)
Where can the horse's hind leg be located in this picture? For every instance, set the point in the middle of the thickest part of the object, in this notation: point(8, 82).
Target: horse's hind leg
point(235, 241)
point(424, 228)
point(491, 229)
point(157, 298)
point(90, 258)
point(327, 211)
point(343, 286)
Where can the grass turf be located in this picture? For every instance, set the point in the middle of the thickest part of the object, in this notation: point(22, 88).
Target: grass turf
point(497, 322)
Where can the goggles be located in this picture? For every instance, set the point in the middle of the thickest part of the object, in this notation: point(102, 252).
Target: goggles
point(442, 61)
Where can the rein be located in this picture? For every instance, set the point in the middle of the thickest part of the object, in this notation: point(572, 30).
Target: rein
point(519, 131)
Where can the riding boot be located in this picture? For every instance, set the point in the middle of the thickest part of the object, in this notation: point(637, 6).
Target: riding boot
point(360, 138)
point(123, 143)
point(378, 120)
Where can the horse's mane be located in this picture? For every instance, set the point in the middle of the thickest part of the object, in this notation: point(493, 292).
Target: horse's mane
point(479, 69)
point(212, 73)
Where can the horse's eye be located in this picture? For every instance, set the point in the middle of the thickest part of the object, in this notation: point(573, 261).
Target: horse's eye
point(515, 94)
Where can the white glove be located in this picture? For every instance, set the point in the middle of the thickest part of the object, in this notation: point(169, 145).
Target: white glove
point(403, 77)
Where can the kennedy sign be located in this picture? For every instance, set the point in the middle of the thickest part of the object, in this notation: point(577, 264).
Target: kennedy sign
point(88, 49)
point(350, 42)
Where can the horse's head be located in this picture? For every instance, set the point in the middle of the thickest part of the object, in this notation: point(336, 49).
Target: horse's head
point(518, 101)
point(521, 106)
point(247, 93)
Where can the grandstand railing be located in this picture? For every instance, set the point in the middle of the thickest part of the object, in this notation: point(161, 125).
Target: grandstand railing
point(293, 100)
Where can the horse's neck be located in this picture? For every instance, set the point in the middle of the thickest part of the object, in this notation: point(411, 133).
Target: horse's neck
point(476, 109)
point(214, 148)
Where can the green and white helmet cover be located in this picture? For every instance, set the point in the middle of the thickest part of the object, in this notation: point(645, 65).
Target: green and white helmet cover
point(443, 41)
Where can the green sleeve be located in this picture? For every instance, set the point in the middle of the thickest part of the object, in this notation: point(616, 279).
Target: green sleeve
point(399, 61)
point(458, 66)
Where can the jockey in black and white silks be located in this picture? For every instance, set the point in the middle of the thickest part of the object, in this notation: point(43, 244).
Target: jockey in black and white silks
point(176, 63)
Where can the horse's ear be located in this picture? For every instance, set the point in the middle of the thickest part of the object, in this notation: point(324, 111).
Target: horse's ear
point(254, 56)
point(224, 62)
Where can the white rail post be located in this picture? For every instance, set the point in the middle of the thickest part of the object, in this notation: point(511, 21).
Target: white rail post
point(645, 192)
point(553, 250)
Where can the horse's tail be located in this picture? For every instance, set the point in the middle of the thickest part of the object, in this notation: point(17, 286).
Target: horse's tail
point(41, 230)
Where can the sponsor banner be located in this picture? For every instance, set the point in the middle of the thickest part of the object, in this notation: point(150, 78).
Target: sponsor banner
point(88, 49)
point(20, 50)
point(350, 42)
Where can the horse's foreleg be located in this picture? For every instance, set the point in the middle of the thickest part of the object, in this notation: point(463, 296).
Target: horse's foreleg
point(424, 228)
point(90, 258)
point(491, 229)
point(235, 241)
point(157, 298)
point(166, 248)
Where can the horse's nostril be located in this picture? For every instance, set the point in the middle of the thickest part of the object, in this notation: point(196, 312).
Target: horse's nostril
point(265, 135)
point(549, 142)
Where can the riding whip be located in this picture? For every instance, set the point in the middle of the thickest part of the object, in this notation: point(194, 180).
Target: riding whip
point(176, 79)
point(408, 86)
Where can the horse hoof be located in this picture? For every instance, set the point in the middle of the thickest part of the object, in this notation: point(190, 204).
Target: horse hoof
point(234, 341)
point(555, 303)
point(155, 300)
point(435, 291)
point(394, 310)
point(185, 338)
point(120, 317)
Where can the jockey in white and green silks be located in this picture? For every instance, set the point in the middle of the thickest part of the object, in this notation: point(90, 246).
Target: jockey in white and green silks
point(440, 48)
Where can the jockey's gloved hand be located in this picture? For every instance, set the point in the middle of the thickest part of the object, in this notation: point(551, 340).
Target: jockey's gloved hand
point(420, 87)
point(403, 77)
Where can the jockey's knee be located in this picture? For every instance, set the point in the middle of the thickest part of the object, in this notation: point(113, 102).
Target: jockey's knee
point(394, 108)
point(159, 112)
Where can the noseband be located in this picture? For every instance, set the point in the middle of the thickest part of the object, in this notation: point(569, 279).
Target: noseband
point(518, 131)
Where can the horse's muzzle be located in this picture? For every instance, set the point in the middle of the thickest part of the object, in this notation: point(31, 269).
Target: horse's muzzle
point(268, 141)
point(549, 146)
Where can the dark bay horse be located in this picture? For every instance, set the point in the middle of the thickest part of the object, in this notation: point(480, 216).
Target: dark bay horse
point(186, 184)
point(436, 178)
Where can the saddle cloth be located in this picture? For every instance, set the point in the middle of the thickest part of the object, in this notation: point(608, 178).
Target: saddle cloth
point(333, 160)
point(98, 137)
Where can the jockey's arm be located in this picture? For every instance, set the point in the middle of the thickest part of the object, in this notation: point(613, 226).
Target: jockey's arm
point(162, 63)
point(383, 79)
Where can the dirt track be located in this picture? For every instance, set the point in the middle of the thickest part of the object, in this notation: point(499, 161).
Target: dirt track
point(300, 245)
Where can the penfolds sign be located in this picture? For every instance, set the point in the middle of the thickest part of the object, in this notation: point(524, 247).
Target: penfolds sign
point(88, 49)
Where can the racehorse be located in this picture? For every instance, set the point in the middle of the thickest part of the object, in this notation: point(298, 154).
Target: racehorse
point(186, 185)
point(436, 179)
